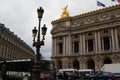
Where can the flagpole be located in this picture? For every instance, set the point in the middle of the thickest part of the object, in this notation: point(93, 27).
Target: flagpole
point(100, 4)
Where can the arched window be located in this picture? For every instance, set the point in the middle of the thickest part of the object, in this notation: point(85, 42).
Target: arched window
point(105, 39)
point(105, 31)
point(91, 64)
point(107, 60)
point(76, 64)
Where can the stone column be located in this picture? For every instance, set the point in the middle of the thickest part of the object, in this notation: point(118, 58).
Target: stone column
point(69, 44)
point(81, 62)
point(112, 40)
point(83, 43)
point(96, 41)
point(116, 40)
point(84, 63)
point(99, 42)
point(64, 46)
point(97, 64)
point(53, 45)
point(86, 45)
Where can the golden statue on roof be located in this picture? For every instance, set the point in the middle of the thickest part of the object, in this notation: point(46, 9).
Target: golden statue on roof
point(65, 13)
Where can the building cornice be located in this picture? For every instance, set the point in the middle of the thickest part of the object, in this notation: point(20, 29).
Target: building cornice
point(87, 14)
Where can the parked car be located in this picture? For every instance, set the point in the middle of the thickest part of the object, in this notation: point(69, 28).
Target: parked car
point(117, 75)
point(100, 75)
point(45, 75)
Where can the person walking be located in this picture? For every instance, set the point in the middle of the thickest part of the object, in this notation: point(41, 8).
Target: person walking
point(4, 70)
point(65, 76)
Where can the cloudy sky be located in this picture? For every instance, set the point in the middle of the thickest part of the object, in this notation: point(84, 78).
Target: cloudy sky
point(20, 16)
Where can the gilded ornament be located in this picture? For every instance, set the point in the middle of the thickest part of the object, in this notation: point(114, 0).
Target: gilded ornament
point(65, 13)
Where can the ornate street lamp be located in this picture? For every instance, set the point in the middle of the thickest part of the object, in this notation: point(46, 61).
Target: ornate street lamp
point(38, 43)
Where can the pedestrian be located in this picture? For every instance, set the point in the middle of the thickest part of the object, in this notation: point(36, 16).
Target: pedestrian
point(53, 74)
point(26, 77)
point(65, 75)
point(4, 70)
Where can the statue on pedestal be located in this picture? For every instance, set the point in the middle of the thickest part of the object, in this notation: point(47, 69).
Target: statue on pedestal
point(65, 13)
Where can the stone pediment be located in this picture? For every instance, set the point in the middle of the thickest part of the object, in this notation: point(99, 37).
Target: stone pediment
point(58, 29)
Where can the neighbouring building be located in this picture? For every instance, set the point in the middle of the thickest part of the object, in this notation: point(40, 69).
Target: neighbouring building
point(12, 47)
point(87, 41)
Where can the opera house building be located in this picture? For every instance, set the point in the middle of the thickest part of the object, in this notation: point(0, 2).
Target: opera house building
point(86, 41)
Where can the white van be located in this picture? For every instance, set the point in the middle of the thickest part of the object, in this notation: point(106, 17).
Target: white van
point(69, 73)
point(68, 70)
point(85, 72)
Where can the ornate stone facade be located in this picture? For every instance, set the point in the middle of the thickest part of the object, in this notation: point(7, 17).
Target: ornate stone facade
point(12, 47)
point(87, 40)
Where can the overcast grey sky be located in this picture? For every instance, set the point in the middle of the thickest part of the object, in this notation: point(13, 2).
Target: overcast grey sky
point(20, 16)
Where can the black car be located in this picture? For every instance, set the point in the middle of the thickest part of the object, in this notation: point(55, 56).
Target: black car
point(102, 76)
point(117, 75)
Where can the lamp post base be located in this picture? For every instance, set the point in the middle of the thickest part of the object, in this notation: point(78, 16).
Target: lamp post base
point(36, 71)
